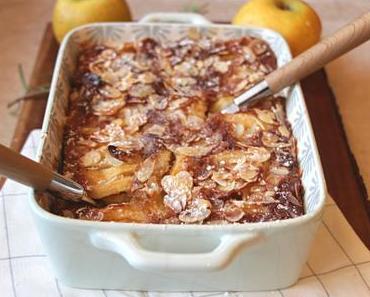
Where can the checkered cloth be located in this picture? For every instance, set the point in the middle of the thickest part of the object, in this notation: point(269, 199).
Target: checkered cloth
point(339, 264)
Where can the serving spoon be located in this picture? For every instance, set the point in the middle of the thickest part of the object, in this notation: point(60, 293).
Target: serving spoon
point(330, 48)
point(30, 173)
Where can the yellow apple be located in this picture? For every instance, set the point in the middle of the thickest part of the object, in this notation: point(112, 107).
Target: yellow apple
point(69, 14)
point(294, 19)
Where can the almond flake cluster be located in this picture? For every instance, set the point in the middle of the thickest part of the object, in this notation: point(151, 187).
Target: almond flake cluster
point(146, 138)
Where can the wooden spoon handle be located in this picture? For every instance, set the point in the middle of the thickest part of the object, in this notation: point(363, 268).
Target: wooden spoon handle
point(24, 170)
point(345, 39)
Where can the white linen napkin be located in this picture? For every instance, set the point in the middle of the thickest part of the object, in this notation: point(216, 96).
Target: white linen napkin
point(339, 264)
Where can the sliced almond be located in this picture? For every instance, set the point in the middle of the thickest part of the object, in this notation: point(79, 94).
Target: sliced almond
point(232, 212)
point(140, 90)
point(194, 151)
point(155, 129)
point(99, 159)
point(178, 103)
point(227, 182)
point(107, 54)
point(146, 170)
point(146, 78)
point(179, 82)
point(178, 189)
point(279, 113)
point(110, 77)
point(258, 154)
point(176, 202)
point(194, 122)
point(91, 158)
point(108, 107)
point(265, 116)
point(284, 131)
point(279, 170)
point(249, 55)
point(260, 198)
point(135, 117)
point(184, 179)
point(258, 46)
point(110, 92)
point(248, 173)
point(128, 144)
point(187, 68)
point(221, 66)
point(111, 132)
point(158, 102)
point(272, 140)
point(125, 82)
point(198, 211)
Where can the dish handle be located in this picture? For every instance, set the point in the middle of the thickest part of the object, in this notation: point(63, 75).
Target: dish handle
point(175, 17)
point(128, 246)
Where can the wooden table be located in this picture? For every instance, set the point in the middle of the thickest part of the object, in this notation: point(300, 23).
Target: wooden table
point(341, 172)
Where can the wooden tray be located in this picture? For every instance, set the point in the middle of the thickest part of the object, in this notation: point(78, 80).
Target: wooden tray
point(341, 172)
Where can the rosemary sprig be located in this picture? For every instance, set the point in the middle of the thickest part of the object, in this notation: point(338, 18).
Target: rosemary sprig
point(22, 78)
point(30, 95)
point(31, 92)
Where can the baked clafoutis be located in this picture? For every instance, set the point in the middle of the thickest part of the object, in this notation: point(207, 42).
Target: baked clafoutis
point(146, 139)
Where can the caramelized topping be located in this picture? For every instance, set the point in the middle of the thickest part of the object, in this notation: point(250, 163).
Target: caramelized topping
point(146, 138)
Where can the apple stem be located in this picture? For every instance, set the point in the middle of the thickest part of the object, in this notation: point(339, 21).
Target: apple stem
point(283, 6)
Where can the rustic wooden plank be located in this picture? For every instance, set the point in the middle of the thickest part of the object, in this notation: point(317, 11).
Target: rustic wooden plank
point(342, 175)
point(32, 110)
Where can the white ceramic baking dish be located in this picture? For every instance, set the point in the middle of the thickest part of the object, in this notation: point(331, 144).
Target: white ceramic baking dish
point(253, 256)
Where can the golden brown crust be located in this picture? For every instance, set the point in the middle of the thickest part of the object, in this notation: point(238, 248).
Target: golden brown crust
point(145, 138)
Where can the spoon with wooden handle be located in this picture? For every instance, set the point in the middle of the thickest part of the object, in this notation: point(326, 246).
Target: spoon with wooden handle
point(33, 174)
point(344, 40)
